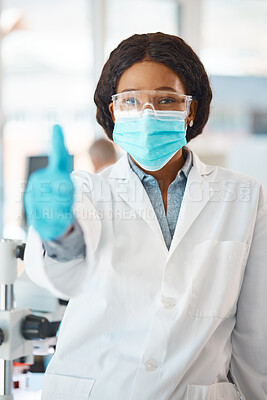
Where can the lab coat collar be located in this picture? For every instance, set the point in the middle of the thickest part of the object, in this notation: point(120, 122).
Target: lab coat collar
point(196, 196)
point(198, 192)
point(121, 169)
point(201, 167)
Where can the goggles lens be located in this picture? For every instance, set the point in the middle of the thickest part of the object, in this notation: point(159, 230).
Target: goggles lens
point(165, 104)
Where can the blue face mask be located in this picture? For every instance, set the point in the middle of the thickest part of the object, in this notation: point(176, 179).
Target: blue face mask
point(150, 141)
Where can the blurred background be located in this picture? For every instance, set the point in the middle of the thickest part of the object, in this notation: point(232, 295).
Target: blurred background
point(52, 52)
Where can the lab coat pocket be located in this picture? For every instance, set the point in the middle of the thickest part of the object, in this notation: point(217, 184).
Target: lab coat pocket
point(216, 277)
point(217, 391)
point(62, 387)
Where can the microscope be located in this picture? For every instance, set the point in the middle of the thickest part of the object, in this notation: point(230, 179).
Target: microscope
point(20, 328)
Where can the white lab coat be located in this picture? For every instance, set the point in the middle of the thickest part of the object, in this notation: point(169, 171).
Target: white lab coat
point(145, 323)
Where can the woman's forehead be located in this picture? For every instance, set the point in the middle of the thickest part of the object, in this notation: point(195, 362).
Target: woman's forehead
point(149, 75)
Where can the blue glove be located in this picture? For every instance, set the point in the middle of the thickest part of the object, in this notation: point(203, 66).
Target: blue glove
point(49, 194)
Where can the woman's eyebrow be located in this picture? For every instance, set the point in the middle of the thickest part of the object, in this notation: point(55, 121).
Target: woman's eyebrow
point(129, 90)
point(165, 88)
point(159, 88)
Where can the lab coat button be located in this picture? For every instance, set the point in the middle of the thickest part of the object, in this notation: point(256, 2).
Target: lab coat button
point(168, 302)
point(151, 365)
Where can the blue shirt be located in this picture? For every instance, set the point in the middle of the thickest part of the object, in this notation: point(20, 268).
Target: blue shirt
point(73, 245)
point(167, 221)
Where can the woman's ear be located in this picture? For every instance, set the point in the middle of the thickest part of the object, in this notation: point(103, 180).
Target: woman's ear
point(110, 107)
point(192, 112)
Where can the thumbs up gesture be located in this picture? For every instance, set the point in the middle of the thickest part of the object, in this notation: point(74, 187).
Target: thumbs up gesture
point(49, 193)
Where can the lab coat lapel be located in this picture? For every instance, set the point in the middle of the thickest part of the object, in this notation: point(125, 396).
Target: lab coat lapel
point(131, 190)
point(197, 194)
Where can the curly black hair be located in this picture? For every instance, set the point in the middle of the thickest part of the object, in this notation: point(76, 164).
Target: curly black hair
point(169, 50)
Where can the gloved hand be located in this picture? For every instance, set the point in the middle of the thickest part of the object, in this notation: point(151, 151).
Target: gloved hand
point(49, 193)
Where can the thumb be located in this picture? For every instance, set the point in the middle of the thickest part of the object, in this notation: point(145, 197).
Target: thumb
point(59, 157)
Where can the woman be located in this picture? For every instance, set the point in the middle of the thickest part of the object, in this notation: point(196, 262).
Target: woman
point(163, 257)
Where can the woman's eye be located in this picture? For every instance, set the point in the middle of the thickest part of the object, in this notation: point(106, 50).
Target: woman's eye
point(167, 100)
point(130, 101)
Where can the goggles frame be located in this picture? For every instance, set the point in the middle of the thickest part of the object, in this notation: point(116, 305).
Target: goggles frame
point(166, 112)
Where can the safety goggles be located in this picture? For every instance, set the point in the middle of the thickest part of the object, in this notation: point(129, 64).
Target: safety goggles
point(166, 105)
